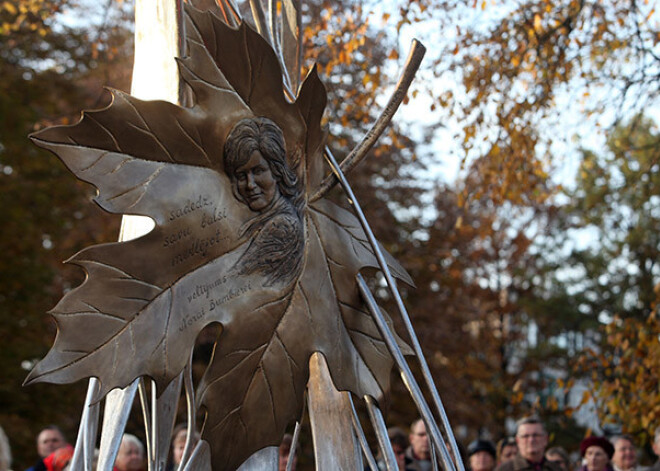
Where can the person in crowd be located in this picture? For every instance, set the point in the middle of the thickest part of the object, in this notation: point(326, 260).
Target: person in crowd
point(59, 459)
point(481, 455)
point(506, 449)
point(49, 439)
point(625, 454)
point(531, 439)
point(131, 454)
point(558, 455)
point(5, 452)
point(656, 449)
point(596, 453)
point(284, 451)
point(179, 444)
point(418, 454)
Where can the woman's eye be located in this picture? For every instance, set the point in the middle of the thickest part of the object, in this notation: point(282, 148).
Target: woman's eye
point(258, 170)
point(240, 177)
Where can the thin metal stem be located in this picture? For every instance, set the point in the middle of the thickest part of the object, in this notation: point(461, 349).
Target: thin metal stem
point(402, 309)
point(361, 437)
point(294, 440)
point(190, 410)
point(259, 17)
point(406, 375)
point(154, 426)
point(146, 414)
point(86, 441)
point(417, 51)
point(380, 428)
point(292, 451)
point(434, 459)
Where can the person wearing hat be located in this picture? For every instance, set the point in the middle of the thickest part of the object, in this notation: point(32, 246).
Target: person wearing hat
point(481, 455)
point(596, 453)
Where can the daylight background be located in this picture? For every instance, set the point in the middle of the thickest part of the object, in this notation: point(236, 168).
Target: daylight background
point(519, 185)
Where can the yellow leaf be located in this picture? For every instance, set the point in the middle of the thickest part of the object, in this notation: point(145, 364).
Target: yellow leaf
point(10, 8)
point(537, 22)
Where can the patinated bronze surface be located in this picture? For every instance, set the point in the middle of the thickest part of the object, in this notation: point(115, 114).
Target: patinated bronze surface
point(237, 241)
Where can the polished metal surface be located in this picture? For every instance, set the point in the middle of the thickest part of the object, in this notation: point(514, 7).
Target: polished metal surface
point(165, 413)
point(200, 459)
point(359, 432)
point(263, 460)
point(406, 375)
point(384, 444)
point(275, 266)
point(335, 445)
point(117, 410)
point(83, 454)
point(190, 414)
point(294, 446)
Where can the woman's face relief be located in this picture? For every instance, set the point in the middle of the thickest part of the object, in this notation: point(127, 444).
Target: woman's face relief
point(256, 183)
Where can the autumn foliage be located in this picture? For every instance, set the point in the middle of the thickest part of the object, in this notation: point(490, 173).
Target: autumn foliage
point(536, 264)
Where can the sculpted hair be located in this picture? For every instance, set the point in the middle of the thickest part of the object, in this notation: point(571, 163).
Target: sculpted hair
point(263, 135)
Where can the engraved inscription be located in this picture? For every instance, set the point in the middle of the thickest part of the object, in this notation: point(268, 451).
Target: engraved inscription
point(190, 207)
point(175, 237)
point(218, 215)
point(231, 294)
point(204, 290)
point(199, 246)
point(189, 319)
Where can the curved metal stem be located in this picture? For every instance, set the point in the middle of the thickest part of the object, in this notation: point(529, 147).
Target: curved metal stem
point(361, 437)
point(294, 440)
point(406, 375)
point(417, 51)
point(259, 17)
point(391, 283)
point(85, 443)
point(146, 414)
point(190, 410)
point(380, 428)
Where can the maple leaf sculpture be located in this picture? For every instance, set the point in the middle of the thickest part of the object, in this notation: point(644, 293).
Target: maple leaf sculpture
point(236, 242)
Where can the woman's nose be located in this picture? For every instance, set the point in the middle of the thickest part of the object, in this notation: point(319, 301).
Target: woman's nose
point(250, 180)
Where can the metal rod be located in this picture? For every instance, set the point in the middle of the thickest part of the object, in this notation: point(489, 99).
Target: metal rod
point(86, 441)
point(146, 414)
point(154, 426)
point(294, 442)
point(384, 444)
point(361, 437)
point(391, 283)
point(117, 409)
point(417, 51)
point(259, 17)
point(406, 375)
point(434, 459)
point(190, 410)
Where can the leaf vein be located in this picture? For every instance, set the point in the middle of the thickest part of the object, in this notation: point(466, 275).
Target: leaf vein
point(107, 131)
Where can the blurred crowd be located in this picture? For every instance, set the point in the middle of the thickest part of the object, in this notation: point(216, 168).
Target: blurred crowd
point(527, 450)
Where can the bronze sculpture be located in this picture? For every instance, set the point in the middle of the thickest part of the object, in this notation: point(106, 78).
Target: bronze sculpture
point(244, 237)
